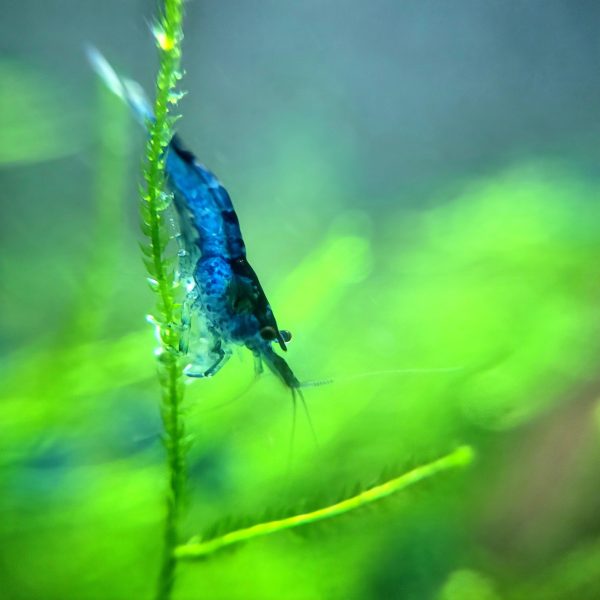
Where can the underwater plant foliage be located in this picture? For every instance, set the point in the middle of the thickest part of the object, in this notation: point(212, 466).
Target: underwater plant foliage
point(470, 317)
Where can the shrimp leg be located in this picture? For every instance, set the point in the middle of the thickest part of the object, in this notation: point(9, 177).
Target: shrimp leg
point(186, 324)
point(219, 356)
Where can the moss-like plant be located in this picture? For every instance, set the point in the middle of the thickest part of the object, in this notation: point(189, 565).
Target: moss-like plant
point(155, 198)
point(461, 457)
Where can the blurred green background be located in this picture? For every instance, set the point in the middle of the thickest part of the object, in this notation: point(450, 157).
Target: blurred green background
point(418, 186)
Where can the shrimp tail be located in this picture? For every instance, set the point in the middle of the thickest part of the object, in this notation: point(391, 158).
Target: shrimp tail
point(128, 90)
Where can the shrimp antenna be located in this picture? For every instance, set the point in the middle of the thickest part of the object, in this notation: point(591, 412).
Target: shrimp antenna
point(316, 383)
point(306, 412)
point(128, 90)
point(296, 393)
point(231, 401)
point(408, 371)
point(292, 436)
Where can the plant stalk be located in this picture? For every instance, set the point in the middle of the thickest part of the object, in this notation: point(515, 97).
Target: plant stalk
point(168, 33)
point(461, 457)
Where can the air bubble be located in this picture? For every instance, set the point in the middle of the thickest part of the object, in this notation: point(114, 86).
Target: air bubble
point(175, 96)
point(152, 320)
point(163, 200)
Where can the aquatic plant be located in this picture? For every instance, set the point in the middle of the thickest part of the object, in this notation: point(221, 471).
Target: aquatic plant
point(53, 394)
point(156, 197)
point(466, 290)
point(461, 457)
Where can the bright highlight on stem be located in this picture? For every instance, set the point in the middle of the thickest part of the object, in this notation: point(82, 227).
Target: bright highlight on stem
point(461, 457)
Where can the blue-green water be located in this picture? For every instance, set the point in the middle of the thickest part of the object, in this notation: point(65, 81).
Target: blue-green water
point(418, 188)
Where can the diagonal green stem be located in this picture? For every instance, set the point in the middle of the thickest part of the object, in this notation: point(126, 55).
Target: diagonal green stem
point(461, 457)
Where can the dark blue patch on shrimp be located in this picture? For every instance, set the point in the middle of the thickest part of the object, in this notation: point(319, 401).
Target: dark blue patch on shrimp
point(223, 292)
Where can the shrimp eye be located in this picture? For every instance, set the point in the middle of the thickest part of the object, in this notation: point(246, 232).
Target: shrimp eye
point(286, 335)
point(268, 333)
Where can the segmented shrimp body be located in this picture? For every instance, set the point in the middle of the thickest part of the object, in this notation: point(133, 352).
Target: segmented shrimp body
point(225, 287)
point(225, 304)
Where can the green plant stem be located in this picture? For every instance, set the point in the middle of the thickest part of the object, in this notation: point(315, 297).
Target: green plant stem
point(168, 34)
point(461, 457)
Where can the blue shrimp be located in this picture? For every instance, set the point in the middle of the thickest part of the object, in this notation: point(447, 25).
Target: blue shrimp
point(228, 292)
point(224, 293)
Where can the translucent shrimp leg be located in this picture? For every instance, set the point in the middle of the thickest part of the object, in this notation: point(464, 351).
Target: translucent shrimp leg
point(218, 355)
